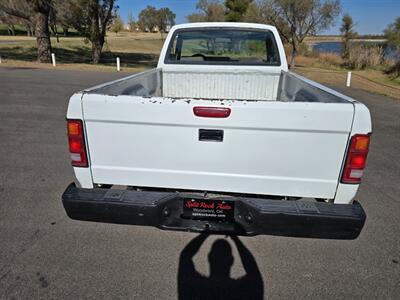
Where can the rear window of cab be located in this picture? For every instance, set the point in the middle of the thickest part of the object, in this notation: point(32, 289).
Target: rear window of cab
point(216, 46)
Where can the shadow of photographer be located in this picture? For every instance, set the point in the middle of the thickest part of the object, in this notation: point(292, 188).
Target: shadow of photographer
point(219, 285)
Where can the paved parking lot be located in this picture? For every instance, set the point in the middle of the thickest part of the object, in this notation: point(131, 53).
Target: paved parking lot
point(43, 254)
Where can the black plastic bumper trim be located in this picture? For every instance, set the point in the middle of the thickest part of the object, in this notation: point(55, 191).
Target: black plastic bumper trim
point(252, 216)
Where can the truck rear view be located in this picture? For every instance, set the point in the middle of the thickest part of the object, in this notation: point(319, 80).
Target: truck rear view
point(220, 137)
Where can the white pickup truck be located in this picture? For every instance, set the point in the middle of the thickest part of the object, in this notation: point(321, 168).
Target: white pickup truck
point(221, 138)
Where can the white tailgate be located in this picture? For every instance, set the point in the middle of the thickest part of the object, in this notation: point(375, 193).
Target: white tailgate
point(273, 148)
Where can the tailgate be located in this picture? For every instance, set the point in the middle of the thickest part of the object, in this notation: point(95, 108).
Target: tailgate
point(271, 148)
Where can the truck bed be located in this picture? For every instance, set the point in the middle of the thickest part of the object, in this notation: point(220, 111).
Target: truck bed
point(237, 85)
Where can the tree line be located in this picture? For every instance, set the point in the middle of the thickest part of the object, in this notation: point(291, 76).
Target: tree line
point(90, 18)
point(294, 19)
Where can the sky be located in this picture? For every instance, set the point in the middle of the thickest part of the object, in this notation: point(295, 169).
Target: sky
point(370, 16)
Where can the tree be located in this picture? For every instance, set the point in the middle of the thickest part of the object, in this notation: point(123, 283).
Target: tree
point(131, 22)
point(91, 18)
point(37, 12)
point(53, 21)
point(348, 33)
point(151, 19)
point(166, 19)
point(295, 19)
point(392, 33)
point(236, 9)
point(117, 24)
point(254, 13)
point(209, 11)
point(10, 21)
point(148, 18)
point(63, 15)
point(42, 11)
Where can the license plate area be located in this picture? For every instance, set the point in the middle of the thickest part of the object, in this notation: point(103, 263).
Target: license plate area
point(208, 209)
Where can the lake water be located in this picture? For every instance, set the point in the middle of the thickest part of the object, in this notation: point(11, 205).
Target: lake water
point(336, 47)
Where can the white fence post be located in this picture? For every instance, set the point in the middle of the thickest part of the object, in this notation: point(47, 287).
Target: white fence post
point(118, 65)
point(53, 59)
point(348, 83)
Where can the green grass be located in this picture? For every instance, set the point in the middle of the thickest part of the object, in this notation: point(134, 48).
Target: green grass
point(19, 30)
point(134, 50)
point(374, 81)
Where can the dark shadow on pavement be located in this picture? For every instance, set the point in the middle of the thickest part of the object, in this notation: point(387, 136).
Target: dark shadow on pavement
point(219, 285)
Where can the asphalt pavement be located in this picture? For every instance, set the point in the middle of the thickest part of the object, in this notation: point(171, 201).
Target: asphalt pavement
point(44, 254)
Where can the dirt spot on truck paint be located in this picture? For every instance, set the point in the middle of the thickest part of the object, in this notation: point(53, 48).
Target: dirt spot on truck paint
point(42, 280)
point(395, 261)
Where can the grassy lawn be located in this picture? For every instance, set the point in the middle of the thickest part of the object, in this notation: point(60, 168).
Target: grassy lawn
point(369, 80)
point(372, 80)
point(137, 51)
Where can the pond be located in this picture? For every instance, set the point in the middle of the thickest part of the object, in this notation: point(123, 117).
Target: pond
point(336, 47)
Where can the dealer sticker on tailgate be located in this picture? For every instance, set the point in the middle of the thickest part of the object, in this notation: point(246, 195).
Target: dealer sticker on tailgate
point(208, 209)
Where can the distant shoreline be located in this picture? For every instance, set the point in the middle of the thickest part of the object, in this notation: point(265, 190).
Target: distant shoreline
point(316, 40)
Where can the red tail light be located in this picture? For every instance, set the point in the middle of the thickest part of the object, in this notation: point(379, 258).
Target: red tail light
point(76, 140)
point(211, 112)
point(356, 159)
